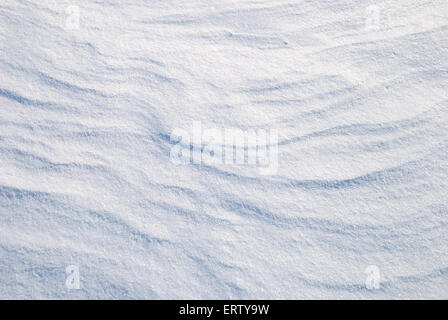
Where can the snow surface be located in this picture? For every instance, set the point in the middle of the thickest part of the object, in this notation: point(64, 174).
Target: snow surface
point(85, 171)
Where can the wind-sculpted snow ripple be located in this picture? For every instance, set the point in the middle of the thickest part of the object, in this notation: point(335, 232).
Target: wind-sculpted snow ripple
point(88, 111)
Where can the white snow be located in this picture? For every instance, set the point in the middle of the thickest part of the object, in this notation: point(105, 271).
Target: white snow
point(356, 89)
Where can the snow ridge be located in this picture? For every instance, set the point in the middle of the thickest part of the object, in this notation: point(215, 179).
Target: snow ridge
point(356, 89)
